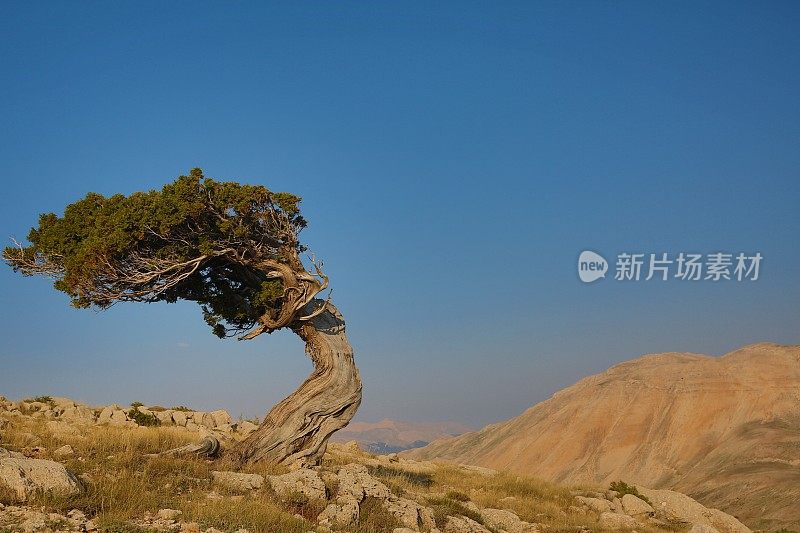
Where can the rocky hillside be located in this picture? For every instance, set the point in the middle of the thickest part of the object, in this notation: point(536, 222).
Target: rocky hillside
point(389, 436)
point(725, 430)
point(71, 468)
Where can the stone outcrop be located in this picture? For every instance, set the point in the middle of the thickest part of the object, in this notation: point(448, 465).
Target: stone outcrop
point(303, 481)
point(236, 481)
point(28, 476)
point(508, 521)
point(676, 506)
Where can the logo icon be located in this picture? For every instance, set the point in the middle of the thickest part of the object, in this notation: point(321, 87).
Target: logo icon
point(591, 266)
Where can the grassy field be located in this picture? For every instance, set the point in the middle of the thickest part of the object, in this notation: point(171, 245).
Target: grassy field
point(121, 486)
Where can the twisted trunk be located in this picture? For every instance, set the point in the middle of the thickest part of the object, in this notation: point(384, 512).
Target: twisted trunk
point(296, 431)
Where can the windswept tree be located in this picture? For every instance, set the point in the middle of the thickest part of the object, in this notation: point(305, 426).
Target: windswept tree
point(234, 250)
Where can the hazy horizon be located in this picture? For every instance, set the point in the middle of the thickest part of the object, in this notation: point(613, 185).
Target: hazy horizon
point(454, 161)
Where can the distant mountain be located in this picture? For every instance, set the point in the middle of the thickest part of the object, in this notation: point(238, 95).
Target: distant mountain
point(725, 430)
point(388, 436)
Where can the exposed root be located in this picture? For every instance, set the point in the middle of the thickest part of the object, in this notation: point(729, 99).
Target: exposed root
point(209, 447)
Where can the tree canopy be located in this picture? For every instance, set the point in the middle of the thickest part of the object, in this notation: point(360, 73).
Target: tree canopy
point(231, 248)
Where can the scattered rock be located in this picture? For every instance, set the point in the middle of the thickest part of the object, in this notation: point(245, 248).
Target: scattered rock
point(355, 481)
point(169, 514)
point(179, 417)
point(595, 504)
point(64, 451)
point(508, 521)
point(343, 513)
point(305, 481)
point(237, 481)
point(409, 513)
point(220, 418)
point(462, 524)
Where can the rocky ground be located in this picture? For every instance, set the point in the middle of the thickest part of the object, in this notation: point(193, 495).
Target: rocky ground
point(70, 467)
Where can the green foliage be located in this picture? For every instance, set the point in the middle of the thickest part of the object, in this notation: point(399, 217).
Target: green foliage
point(42, 399)
point(143, 419)
point(195, 239)
point(623, 489)
point(136, 405)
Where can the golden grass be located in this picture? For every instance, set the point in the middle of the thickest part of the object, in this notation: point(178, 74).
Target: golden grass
point(121, 485)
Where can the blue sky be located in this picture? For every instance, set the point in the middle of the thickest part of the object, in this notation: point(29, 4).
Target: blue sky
point(454, 160)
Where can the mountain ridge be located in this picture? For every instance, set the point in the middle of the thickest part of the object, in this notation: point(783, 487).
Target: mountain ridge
point(723, 429)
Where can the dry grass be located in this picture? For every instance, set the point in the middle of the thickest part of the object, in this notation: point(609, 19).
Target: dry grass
point(121, 486)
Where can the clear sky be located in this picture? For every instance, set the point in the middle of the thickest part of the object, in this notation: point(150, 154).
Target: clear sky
point(454, 160)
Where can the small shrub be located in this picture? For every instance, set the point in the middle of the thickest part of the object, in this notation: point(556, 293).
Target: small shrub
point(137, 405)
point(181, 408)
point(623, 489)
point(374, 518)
point(43, 399)
point(143, 419)
point(296, 502)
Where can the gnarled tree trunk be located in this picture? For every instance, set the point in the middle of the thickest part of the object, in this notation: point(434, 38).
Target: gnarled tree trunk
point(296, 431)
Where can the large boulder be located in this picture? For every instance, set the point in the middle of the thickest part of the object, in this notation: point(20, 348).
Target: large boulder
point(682, 508)
point(28, 476)
point(636, 506)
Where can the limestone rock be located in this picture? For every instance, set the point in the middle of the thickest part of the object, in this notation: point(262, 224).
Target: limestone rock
point(355, 481)
point(502, 519)
point(677, 506)
point(26, 476)
point(462, 524)
point(636, 506)
point(7, 453)
point(77, 414)
point(343, 513)
point(409, 513)
point(237, 481)
point(595, 504)
point(221, 418)
point(617, 521)
point(164, 417)
point(304, 480)
point(179, 418)
point(64, 451)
